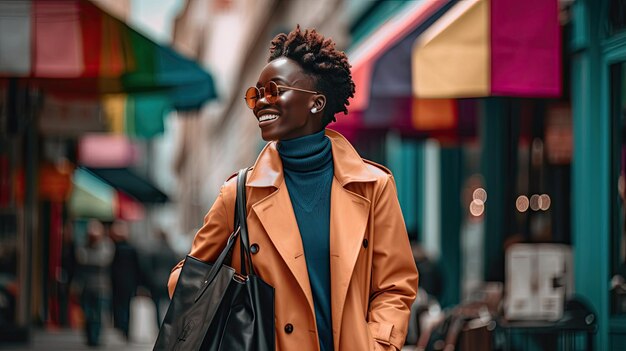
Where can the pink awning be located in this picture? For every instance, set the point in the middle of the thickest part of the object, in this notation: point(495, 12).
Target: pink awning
point(106, 150)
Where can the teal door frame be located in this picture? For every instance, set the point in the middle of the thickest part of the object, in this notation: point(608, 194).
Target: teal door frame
point(613, 51)
point(590, 168)
point(591, 57)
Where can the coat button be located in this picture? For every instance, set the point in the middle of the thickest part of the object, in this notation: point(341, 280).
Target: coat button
point(365, 243)
point(254, 248)
point(288, 328)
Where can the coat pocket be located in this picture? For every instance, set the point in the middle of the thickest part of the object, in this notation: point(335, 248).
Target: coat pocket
point(381, 334)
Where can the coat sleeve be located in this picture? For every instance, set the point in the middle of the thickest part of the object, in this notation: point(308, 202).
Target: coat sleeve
point(211, 239)
point(394, 275)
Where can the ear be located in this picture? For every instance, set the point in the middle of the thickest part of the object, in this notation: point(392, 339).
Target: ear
point(318, 102)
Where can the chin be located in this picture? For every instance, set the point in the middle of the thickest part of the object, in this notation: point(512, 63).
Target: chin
point(267, 136)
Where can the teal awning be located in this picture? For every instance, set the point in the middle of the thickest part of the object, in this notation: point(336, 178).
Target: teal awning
point(188, 85)
point(124, 179)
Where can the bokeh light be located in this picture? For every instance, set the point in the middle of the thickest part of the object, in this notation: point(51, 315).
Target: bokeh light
point(545, 202)
point(521, 203)
point(477, 207)
point(534, 202)
point(480, 194)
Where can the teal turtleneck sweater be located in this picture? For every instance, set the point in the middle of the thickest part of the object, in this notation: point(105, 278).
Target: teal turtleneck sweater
point(308, 168)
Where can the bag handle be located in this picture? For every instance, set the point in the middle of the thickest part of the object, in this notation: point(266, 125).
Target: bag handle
point(241, 226)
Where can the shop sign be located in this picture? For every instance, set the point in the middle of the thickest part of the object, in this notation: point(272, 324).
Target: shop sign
point(70, 118)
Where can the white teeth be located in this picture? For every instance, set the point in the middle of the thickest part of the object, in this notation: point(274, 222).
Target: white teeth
point(267, 118)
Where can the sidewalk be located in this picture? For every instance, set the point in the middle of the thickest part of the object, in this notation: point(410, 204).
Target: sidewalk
point(73, 340)
point(143, 333)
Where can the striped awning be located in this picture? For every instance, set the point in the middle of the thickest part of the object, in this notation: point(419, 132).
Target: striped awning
point(363, 58)
point(72, 47)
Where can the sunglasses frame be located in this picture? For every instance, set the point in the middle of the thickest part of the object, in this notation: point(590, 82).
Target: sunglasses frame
point(270, 97)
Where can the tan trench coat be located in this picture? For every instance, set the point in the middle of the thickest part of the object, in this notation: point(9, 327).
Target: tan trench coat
point(373, 274)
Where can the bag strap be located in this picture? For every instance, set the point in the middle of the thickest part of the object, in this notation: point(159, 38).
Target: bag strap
point(240, 203)
point(240, 226)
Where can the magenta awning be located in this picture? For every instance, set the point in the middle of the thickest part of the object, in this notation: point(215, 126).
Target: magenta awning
point(525, 48)
point(491, 48)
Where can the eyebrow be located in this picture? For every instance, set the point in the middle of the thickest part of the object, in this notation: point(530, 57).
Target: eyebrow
point(275, 79)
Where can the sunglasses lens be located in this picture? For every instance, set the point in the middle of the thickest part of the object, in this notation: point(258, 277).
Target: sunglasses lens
point(271, 92)
point(252, 95)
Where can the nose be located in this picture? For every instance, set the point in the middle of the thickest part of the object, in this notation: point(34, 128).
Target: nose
point(261, 101)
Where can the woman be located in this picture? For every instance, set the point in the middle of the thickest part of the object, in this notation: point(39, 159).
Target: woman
point(325, 226)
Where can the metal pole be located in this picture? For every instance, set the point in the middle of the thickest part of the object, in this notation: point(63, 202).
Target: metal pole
point(30, 211)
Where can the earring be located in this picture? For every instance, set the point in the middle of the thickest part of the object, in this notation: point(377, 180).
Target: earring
point(314, 110)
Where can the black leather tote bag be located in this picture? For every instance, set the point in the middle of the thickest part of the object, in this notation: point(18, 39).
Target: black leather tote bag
point(213, 307)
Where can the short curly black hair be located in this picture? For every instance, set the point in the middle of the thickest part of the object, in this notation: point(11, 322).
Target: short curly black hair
point(317, 56)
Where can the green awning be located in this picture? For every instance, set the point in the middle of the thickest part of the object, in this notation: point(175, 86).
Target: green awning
point(91, 197)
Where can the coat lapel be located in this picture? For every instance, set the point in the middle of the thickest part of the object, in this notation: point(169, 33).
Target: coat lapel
point(277, 217)
point(349, 214)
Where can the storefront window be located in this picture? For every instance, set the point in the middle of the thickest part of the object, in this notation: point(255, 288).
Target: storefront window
point(618, 188)
point(617, 15)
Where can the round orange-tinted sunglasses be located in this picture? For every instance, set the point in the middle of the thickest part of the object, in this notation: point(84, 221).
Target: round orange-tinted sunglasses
point(270, 91)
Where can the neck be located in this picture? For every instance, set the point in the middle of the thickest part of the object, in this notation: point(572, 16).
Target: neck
point(308, 153)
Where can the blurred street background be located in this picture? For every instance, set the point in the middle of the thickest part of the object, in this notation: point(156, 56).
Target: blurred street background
point(73, 340)
point(503, 121)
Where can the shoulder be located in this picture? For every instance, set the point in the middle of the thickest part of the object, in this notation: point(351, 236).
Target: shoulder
point(379, 179)
point(385, 184)
point(382, 174)
point(378, 170)
point(230, 185)
point(231, 177)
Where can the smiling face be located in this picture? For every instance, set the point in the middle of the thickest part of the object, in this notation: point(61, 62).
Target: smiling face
point(290, 116)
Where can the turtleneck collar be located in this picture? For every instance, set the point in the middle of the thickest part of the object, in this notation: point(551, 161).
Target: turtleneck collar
point(305, 154)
